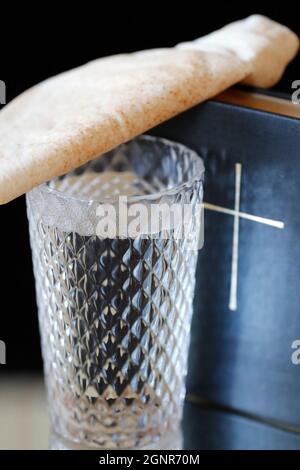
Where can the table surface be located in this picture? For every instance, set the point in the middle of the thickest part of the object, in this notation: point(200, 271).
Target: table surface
point(24, 423)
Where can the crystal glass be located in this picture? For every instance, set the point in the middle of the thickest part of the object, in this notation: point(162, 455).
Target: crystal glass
point(115, 311)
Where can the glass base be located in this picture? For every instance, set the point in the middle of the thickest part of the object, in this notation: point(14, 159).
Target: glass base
point(170, 441)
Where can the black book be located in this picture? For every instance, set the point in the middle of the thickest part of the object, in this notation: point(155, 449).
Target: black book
point(247, 302)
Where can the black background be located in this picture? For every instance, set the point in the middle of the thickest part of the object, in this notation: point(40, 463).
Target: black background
point(45, 42)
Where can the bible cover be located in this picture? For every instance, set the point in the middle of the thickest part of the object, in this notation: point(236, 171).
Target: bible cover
point(247, 301)
point(205, 428)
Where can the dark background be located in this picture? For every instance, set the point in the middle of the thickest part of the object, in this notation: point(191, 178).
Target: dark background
point(44, 43)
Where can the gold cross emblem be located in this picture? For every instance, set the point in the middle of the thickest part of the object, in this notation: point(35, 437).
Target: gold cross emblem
point(235, 239)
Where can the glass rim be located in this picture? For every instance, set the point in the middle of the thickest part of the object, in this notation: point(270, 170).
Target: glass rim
point(197, 177)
